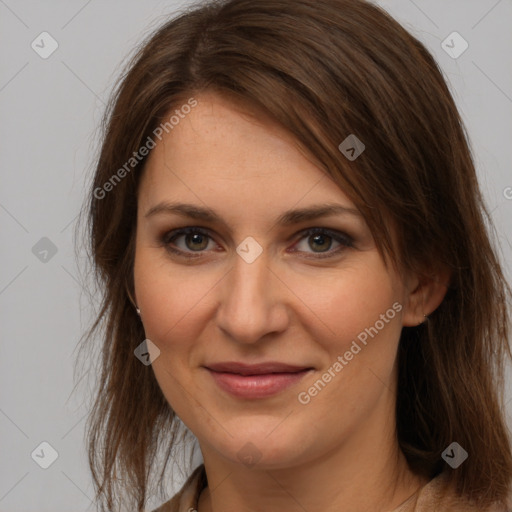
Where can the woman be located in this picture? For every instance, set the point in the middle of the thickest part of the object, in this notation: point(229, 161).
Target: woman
point(287, 226)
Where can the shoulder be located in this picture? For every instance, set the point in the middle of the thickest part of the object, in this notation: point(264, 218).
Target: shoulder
point(187, 497)
point(439, 496)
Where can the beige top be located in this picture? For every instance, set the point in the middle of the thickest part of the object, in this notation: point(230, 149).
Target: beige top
point(429, 499)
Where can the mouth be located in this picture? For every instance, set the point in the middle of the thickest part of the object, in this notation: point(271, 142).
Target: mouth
point(256, 381)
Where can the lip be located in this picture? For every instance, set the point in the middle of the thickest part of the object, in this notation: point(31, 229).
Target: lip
point(256, 369)
point(256, 381)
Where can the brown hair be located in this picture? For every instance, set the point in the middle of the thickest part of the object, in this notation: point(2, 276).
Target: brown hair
point(323, 69)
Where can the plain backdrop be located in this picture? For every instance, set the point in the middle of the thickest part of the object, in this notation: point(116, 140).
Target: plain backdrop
point(50, 111)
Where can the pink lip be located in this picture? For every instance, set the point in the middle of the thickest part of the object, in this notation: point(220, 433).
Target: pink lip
point(256, 386)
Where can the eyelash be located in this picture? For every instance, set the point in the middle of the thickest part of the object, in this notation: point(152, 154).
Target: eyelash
point(169, 237)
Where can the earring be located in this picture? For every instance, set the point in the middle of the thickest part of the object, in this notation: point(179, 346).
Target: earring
point(131, 299)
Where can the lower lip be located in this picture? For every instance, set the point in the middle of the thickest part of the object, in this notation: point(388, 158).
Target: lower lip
point(256, 386)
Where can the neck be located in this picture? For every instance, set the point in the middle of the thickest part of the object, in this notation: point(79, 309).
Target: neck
point(360, 476)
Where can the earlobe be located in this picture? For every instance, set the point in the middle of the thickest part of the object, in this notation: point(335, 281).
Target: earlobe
point(426, 294)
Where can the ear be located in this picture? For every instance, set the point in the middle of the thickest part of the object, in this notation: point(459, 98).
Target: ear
point(424, 294)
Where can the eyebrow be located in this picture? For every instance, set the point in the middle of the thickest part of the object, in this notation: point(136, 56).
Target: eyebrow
point(289, 217)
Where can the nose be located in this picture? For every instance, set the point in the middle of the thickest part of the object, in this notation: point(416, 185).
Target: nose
point(252, 301)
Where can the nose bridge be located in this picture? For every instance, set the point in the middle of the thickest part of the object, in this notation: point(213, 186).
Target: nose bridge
point(250, 305)
point(249, 277)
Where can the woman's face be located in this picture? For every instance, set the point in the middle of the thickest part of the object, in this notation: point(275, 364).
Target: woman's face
point(251, 285)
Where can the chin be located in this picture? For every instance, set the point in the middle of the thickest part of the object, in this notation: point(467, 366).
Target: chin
point(262, 448)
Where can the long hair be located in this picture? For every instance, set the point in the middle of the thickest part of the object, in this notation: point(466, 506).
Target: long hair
point(323, 69)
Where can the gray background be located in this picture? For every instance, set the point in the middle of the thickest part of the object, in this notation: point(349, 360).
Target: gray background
point(50, 110)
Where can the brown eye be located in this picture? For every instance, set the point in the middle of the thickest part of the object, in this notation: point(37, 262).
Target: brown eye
point(320, 240)
point(186, 240)
point(196, 241)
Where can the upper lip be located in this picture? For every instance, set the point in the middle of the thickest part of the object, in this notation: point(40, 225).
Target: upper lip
point(256, 369)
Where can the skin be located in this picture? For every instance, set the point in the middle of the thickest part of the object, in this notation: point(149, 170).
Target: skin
point(339, 451)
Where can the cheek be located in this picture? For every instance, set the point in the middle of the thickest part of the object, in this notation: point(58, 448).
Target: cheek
point(351, 302)
point(172, 306)
point(358, 330)
point(357, 327)
point(170, 301)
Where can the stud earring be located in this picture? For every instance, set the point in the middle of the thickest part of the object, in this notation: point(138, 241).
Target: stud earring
point(131, 300)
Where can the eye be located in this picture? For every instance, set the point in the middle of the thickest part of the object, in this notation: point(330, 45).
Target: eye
point(322, 239)
point(194, 240)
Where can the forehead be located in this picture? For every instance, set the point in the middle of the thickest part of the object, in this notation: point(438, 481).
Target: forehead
point(225, 152)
